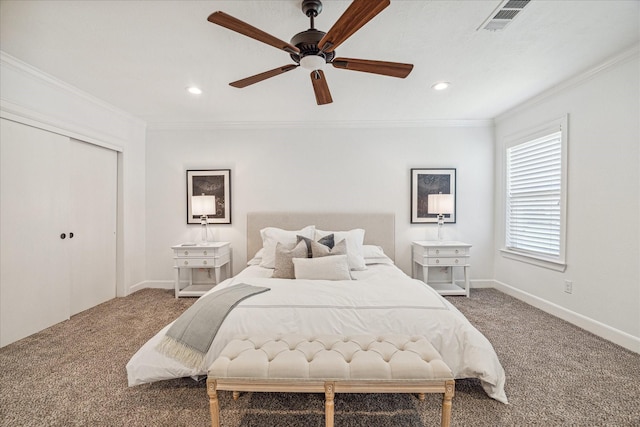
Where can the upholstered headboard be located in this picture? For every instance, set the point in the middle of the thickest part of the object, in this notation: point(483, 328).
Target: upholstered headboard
point(379, 227)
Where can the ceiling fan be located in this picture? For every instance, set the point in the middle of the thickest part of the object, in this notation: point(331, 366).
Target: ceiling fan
point(313, 49)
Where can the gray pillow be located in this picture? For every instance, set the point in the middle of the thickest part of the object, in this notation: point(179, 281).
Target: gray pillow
point(318, 250)
point(283, 264)
point(326, 240)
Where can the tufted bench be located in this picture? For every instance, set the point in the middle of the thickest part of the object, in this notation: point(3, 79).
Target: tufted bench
point(330, 364)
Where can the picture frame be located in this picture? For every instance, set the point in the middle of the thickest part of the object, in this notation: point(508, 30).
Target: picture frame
point(425, 181)
point(210, 182)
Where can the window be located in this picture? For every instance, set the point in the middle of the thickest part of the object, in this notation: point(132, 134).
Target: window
point(535, 196)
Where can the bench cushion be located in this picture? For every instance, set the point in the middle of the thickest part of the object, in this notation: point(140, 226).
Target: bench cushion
point(331, 357)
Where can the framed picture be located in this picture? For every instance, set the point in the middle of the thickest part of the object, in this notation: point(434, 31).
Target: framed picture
point(216, 183)
point(432, 181)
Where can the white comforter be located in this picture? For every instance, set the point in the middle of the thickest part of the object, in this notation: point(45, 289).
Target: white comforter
point(382, 299)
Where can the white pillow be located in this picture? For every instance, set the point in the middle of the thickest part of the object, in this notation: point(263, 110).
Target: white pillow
point(271, 236)
point(335, 267)
point(372, 251)
point(375, 255)
point(355, 242)
point(257, 259)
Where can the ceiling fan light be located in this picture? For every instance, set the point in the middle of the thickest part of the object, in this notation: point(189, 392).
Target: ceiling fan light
point(194, 90)
point(313, 62)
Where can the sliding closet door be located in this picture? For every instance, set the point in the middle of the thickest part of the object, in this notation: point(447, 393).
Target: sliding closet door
point(34, 215)
point(93, 180)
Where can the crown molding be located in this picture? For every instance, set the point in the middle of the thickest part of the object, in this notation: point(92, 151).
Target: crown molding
point(622, 57)
point(437, 123)
point(22, 67)
point(20, 114)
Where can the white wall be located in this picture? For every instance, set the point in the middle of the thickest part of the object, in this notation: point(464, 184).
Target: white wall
point(331, 169)
point(29, 96)
point(603, 222)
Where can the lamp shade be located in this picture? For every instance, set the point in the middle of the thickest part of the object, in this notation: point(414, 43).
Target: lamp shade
point(203, 205)
point(440, 204)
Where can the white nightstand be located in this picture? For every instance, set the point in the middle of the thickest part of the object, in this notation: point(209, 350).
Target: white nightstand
point(432, 254)
point(189, 256)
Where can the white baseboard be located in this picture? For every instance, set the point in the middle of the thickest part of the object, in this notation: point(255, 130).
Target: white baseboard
point(481, 283)
point(616, 336)
point(155, 284)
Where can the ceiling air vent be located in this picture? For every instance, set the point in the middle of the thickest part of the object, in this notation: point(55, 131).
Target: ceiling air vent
point(503, 15)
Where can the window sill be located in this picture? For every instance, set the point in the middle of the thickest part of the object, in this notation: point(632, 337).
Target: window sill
point(535, 260)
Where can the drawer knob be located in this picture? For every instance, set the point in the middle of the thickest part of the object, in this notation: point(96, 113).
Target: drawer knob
point(437, 261)
point(437, 251)
point(456, 251)
point(456, 260)
point(186, 263)
point(205, 252)
point(205, 262)
point(186, 252)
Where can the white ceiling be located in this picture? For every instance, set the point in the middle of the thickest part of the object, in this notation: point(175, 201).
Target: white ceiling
point(141, 55)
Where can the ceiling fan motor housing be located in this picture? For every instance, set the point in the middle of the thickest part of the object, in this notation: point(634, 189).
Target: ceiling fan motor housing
point(307, 42)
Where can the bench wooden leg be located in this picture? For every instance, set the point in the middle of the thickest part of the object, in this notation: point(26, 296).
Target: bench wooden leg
point(236, 395)
point(329, 404)
point(446, 402)
point(214, 407)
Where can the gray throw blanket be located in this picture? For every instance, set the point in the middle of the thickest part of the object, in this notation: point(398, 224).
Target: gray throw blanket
point(189, 338)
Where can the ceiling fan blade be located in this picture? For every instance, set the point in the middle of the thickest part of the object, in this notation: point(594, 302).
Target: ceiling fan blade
point(243, 28)
point(357, 14)
point(393, 69)
point(320, 87)
point(262, 76)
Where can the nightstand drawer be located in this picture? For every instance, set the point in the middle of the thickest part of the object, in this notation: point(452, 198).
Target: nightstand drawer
point(447, 252)
point(196, 253)
point(446, 261)
point(195, 262)
point(202, 262)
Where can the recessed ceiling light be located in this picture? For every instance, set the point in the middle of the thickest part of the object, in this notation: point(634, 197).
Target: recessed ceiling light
point(440, 85)
point(194, 90)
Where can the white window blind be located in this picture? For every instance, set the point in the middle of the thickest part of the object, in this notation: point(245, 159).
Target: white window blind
point(534, 194)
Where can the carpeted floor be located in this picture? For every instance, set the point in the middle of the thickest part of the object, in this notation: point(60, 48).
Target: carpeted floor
point(73, 374)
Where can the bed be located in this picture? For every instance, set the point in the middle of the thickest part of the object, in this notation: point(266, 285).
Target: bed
point(379, 299)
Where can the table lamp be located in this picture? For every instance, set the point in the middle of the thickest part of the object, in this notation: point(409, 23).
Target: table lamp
point(203, 206)
point(440, 204)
